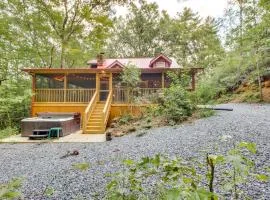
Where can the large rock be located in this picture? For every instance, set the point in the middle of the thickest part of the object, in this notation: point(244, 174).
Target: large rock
point(118, 133)
point(267, 83)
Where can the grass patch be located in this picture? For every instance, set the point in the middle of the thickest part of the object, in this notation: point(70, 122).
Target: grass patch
point(8, 132)
point(81, 166)
point(203, 113)
point(10, 189)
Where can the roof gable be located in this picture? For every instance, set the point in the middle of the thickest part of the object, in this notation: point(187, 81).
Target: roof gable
point(116, 64)
point(141, 63)
point(161, 56)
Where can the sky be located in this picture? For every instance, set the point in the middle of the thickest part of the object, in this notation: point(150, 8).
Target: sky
point(213, 8)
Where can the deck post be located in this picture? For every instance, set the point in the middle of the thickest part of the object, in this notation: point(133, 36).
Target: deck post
point(110, 82)
point(33, 92)
point(65, 88)
point(97, 84)
point(193, 79)
point(162, 80)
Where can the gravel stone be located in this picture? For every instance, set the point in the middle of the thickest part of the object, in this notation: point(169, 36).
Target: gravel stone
point(40, 164)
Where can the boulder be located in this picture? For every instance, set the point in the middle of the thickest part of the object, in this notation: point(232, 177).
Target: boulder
point(113, 125)
point(118, 134)
point(267, 83)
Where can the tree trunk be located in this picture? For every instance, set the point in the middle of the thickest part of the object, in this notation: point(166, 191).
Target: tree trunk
point(259, 78)
point(62, 56)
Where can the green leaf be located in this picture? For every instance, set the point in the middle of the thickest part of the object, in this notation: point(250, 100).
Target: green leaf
point(49, 191)
point(216, 158)
point(11, 195)
point(249, 146)
point(81, 166)
point(262, 177)
point(172, 194)
point(128, 162)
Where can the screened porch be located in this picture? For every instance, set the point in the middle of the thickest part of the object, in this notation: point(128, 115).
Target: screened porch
point(80, 88)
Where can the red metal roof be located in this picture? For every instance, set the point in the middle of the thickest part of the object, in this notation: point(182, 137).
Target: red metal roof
point(141, 63)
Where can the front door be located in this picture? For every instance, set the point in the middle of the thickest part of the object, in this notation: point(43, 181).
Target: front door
point(104, 87)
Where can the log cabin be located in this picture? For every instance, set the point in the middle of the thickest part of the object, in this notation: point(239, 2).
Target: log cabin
point(96, 91)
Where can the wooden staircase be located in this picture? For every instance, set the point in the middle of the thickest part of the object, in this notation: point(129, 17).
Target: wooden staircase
point(96, 115)
point(95, 121)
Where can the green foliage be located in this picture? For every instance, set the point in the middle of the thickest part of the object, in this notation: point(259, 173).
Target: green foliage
point(54, 33)
point(247, 56)
point(14, 103)
point(49, 191)
point(81, 166)
point(131, 76)
point(138, 33)
point(175, 178)
point(145, 32)
point(10, 190)
point(177, 104)
point(124, 119)
point(8, 132)
point(206, 113)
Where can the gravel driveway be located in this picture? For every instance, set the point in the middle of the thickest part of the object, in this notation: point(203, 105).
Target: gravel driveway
point(40, 164)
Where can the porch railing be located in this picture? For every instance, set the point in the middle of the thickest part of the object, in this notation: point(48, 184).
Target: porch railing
point(62, 95)
point(142, 95)
point(89, 109)
point(106, 110)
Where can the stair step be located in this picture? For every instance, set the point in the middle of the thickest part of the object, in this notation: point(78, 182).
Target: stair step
point(96, 112)
point(94, 132)
point(96, 116)
point(95, 120)
point(94, 124)
point(94, 127)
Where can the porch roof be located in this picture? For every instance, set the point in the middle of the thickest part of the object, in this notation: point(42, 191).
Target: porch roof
point(101, 70)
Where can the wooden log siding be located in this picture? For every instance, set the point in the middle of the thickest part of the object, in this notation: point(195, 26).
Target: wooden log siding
point(64, 95)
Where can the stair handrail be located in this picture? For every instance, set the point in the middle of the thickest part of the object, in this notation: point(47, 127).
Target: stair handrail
point(89, 110)
point(106, 109)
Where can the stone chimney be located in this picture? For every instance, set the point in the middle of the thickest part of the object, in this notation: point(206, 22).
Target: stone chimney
point(100, 60)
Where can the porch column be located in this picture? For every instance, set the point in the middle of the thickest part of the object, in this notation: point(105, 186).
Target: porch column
point(162, 80)
point(33, 93)
point(110, 82)
point(65, 88)
point(193, 79)
point(97, 85)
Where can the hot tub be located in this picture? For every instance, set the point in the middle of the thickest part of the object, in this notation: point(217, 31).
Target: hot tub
point(67, 122)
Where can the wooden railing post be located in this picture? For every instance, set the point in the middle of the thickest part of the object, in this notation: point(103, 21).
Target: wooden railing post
point(162, 80)
point(33, 93)
point(97, 85)
point(65, 88)
point(193, 80)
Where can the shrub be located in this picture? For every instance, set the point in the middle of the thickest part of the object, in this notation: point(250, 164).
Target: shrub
point(177, 105)
point(206, 113)
point(124, 119)
point(10, 190)
point(161, 177)
point(8, 132)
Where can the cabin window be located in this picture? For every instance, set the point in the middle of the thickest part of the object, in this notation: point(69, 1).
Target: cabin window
point(116, 81)
point(53, 81)
point(81, 81)
point(151, 80)
point(160, 64)
point(93, 65)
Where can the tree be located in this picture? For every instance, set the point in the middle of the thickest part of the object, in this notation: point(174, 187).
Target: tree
point(131, 77)
point(57, 32)
point(138, 34)
point(193, 41)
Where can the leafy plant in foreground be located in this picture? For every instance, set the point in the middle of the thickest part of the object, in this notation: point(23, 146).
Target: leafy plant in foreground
point(161, 177)
point(10, 189)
